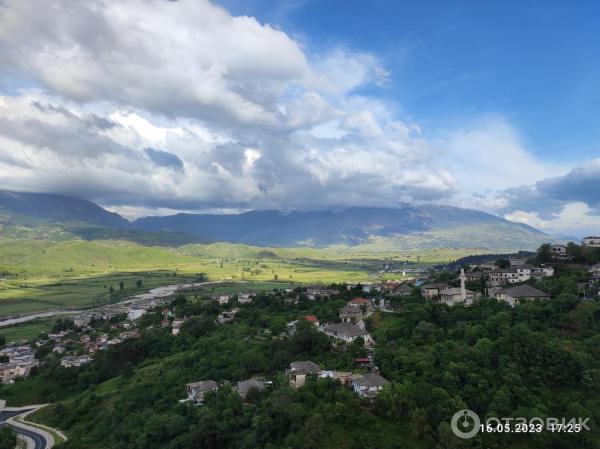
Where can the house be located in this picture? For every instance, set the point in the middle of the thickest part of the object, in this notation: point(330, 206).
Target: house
point(347, 332)
point(452, 296)
point(245, 298)
point(344, 377)
point(592, 241)
point(176, 326)
point(541, 272)
point(431, 291)
point(299, 370)
point(517, 261)
point(559, 251)
point(502, 276)
point(350, 314)
point(11, 371)
point(223, 299)
point(369, 385)
point(403, 290)
point(227, 316)
point(520, 293)
point(474, 276)
point(75, 362)
point(313, 293)
point(312, 319)
point(245, 386)
point(291, 326)
point(197, 390)
point(594, 269)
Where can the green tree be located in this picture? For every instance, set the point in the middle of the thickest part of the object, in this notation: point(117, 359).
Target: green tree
point(8, 438)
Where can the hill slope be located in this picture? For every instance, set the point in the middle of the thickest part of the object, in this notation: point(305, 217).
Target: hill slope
point(401, 228)
point(59, 217)
point(34, 209)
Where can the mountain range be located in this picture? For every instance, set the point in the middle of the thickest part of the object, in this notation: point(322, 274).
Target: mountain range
point(402, 227)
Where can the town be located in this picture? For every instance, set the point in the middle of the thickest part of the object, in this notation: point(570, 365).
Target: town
point(74, 342)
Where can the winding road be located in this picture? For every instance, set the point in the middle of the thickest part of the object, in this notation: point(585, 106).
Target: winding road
point(38, 438)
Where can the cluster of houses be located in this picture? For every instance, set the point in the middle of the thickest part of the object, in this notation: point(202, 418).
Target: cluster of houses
point(499, 282)
point(196, 391)
point(90, 345)
point(133, 308)
point(21, 359)
point(366, 385)
point(352, 325)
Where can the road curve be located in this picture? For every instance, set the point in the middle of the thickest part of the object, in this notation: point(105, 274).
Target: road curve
point(40, 438)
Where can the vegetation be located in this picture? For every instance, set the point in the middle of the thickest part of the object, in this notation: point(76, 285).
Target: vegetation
point(8, 438)
point(40, 275)
point(538, 359)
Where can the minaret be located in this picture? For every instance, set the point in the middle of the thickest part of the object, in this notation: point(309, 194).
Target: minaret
point(463, 291)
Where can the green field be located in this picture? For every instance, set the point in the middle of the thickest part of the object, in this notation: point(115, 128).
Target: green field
point(29, 330)
point(40, 275)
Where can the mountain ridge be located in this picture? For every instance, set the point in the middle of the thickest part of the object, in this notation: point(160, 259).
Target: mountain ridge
point(402, 227)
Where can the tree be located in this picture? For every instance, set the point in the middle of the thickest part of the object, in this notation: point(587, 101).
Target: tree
point(121, 285)
point(138, 283)
point(8, 438)
point(503, 263)
point(544, 253)
point(2, 341)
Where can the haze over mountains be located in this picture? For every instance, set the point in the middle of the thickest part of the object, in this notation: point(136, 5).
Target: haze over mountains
point(403, 227)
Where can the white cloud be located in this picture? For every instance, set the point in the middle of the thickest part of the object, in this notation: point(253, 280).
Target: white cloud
point(155, 105)
point(575, 218)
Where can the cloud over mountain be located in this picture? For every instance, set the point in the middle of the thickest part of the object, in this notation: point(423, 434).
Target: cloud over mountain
point(144, 105)
point(123, 96)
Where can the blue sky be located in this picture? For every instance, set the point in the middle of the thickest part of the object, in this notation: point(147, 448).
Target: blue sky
point(155, 107)
point(536, 62)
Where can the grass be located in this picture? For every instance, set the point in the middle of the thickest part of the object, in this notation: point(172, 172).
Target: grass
point(27, 331)
point(45, 275)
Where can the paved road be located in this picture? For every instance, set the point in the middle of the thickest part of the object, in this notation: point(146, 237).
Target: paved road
point(39, 440)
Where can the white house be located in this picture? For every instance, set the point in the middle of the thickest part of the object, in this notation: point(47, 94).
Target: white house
point(592, 240)
point(299, 370)
point(369, 385)
point(223, 299)
point(197, 390)
point(347, 332)
point(245, 298)
point(520, 293)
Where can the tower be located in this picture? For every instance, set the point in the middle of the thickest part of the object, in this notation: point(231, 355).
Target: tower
point(463, 291)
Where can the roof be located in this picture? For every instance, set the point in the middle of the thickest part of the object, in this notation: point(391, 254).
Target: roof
point(346, 329)
point(591, 237)
point(437, 286)
point(372, 380)
point(359, 301)
point(350, 310)
point(404, 289)
point(311, 318)
point(244, 386)
point(453, 291)
point(203, 385)
point(305, 367)
point(504, 270)
point(523, 291)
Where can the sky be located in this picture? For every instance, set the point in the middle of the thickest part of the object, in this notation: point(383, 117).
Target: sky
point(150, 107)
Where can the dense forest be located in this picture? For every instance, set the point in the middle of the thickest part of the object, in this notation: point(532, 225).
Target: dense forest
point(538, 359)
